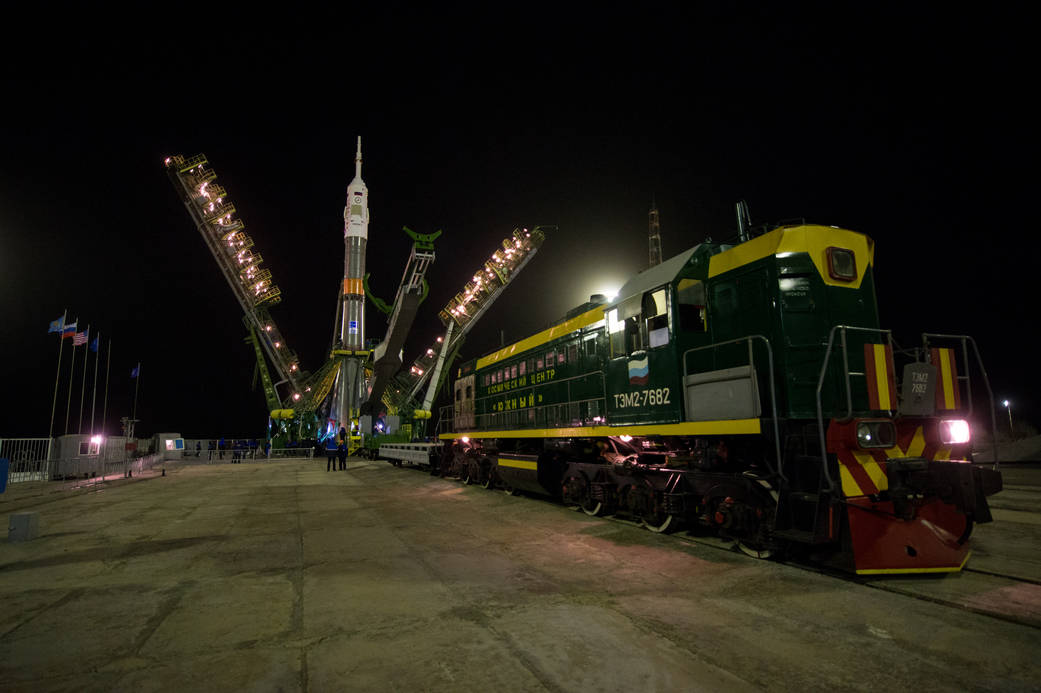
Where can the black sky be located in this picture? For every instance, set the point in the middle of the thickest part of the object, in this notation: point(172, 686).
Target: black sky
point(910, 127)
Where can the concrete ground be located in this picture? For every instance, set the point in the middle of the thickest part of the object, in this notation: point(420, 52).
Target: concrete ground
point(281, 576)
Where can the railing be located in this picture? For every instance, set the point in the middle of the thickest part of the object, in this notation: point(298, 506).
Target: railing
point(965, 341)
point(846, 375)
point(28, 457)
point(246, 454)
point(751, 364)
point(96, 470)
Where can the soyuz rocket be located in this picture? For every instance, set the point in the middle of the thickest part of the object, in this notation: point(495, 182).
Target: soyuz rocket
point(352, 321)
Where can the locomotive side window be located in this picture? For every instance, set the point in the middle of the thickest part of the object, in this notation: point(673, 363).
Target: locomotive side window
point(724, 309)
point(615, 329)
point(656, 315)
point(690, 302)
point(521, 369)
point(633, 338)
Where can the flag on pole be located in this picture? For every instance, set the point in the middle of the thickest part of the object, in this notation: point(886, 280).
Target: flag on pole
point(79, 339)
point(94, 344)
point(57, 325)
point(134, 370)
point(68, 330)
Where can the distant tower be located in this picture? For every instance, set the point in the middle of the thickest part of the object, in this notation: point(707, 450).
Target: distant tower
point(654, 235)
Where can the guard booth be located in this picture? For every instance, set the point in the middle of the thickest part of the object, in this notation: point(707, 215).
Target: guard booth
point(169, 445)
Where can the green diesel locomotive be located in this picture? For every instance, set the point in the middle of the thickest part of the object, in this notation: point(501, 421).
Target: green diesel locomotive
point(747, 388)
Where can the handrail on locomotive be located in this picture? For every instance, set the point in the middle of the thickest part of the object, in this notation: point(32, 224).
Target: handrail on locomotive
point(887, 334)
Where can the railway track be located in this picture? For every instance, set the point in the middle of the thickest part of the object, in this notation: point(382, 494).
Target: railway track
point(981, 590)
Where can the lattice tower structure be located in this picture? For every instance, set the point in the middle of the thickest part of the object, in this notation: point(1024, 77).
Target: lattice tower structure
point(216, 219)
point(654, 236)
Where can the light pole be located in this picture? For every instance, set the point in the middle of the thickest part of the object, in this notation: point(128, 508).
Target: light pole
point(1008, 406)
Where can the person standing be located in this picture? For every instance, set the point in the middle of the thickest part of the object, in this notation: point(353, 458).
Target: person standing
point(330, 453)
point(341, 452)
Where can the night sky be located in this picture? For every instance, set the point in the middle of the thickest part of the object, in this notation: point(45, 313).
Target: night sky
point(910, 128)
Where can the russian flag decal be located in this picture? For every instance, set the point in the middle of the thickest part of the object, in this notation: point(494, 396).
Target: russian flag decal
point(638, 371)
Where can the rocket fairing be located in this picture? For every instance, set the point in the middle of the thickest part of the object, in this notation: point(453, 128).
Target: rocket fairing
point(355, 238)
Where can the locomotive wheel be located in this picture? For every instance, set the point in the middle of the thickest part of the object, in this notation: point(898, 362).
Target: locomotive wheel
point(661, 523)
point(654, 516)
point(593, 508)
point(510, 491)
point(577, 496)
point(752, 550)
point(572, 491)
point(464, 476)
point(747, 523)
point(487, 479)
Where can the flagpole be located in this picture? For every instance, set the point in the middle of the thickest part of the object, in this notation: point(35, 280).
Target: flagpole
point(83, 386)
point(94, 394)
point(137, 384)
point(108, 369)
point(57, 375)
point(72, 370)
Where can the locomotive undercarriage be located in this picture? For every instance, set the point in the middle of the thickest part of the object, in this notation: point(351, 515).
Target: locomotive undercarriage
point(722, 485)
point(700, 485)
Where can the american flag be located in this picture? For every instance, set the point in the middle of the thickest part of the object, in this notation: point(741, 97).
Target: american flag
point(79, 338)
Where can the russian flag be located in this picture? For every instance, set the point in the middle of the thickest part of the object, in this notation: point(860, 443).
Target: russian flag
point(638, 371)
point(69, 330)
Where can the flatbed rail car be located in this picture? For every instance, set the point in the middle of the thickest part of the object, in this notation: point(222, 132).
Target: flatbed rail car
point(748, 388)
point(419, 453)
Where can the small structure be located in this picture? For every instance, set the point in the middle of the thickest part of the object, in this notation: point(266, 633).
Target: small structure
point(169, 445)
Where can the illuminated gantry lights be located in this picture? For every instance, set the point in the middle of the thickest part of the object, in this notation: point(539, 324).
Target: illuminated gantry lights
point(482, 288)
point(215, 216)
point(495, 273)
point(226, 231)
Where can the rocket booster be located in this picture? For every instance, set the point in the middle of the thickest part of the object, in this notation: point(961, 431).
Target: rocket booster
point(355, 238)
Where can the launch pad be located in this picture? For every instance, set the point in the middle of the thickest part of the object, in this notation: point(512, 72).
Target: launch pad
point(362, 395)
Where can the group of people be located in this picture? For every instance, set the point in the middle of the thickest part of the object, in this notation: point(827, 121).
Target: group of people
point(336, 450)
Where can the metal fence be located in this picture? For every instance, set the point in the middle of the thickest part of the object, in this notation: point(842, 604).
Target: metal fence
point(96, 469)
point(243, 455)
point(29, 458)
point(39, 459)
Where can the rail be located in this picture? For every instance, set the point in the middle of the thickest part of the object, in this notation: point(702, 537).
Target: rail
point(751, 362)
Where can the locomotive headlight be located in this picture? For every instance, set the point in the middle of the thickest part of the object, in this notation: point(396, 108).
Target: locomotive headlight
point(954, 431)
point(876, 434)
point(842, 264)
